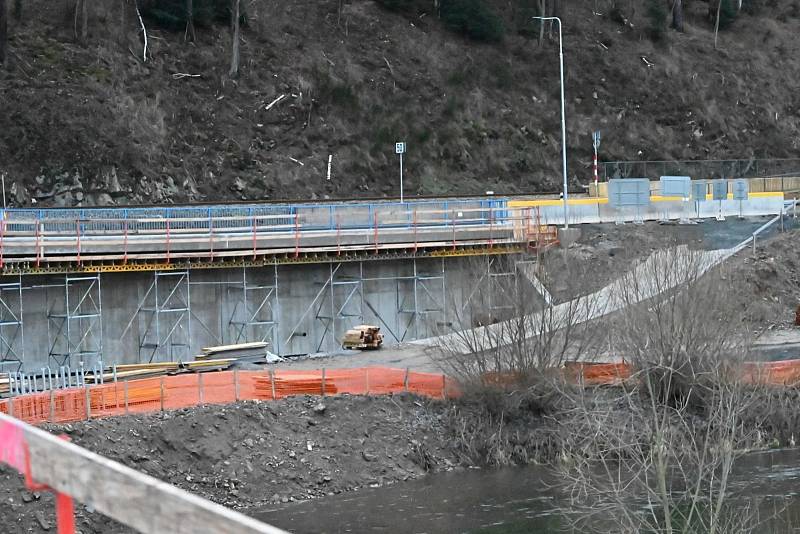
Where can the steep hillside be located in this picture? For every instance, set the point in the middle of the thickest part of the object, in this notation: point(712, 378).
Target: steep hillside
point(92, 123)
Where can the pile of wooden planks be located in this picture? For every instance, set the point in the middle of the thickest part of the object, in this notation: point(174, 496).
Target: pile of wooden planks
point(255, 352)
point(5, 383)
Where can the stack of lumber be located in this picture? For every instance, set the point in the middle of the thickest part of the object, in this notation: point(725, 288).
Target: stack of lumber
point(148, 370)
point(255, 352)
point(5, 385)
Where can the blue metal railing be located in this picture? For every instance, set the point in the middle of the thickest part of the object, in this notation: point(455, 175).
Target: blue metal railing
point(283, 217)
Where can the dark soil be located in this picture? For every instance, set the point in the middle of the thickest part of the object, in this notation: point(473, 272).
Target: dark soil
point(92, 123)
point(252, 454)
point(772, 277)
point(605, 252)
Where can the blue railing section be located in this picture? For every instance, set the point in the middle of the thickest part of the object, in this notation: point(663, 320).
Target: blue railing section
point(284, 217)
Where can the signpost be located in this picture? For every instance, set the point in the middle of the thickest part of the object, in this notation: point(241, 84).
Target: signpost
point(596, 144)
point(400, 148)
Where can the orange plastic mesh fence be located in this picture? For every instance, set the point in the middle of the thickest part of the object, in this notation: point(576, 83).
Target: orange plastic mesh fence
point(783, 373)
point(596, 374)
point(183, 391)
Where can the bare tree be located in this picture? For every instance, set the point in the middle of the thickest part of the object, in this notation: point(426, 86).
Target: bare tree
point(677, 15)
point(123, 21)
point(542, 13)
point(658, 456)
point(81, 21)
point(234, 71)
point(190, 34)
point(3, 30)
point(508, 329)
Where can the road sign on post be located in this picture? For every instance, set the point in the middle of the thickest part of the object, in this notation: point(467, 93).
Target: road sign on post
point(400, 149)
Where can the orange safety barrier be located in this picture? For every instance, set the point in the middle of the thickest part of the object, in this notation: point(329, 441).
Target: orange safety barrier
point(597, 374)
point(187, 390)
point(780, 373)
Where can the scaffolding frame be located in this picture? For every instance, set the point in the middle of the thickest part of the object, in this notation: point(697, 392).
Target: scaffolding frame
point(165, 311)
point(75, 321)
point(342, 299)
point(256, 310)
point(424, 301)
point(350, 302)
point(12, 331)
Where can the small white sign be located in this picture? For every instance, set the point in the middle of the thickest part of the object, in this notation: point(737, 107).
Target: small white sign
point(399, 148)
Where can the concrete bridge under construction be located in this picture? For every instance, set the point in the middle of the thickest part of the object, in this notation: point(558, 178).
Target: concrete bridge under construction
point(131, 285)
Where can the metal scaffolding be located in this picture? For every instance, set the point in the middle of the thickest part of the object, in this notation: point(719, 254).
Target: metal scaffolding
point(418, 296)
point(255, 314)
point(164, 318)
point(75, 321)
point(341, 304)
point(12, 333)
point(343, 300)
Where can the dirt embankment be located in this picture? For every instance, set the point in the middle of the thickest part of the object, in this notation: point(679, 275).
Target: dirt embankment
point(251, 454)
point(92, 123)
point(771, 277)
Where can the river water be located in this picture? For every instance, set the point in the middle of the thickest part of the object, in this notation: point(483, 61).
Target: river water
point(511, 501)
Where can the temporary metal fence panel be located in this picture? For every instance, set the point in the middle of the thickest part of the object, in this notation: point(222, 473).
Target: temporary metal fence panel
point(719, 189)
point(676, 186)
point(629, 192)
point(704, 169)
point(699, 190)
point(740, 189)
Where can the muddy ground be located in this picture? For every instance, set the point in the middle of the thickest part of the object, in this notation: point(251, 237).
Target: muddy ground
point(253, 454)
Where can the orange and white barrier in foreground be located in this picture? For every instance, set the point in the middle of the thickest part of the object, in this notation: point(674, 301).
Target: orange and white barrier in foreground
point(187, 390)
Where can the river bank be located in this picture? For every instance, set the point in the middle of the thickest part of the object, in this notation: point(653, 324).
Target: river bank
point(252, 454)
point(259, 457)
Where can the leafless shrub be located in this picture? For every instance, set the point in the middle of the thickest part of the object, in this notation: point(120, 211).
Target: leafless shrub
point(658, 455)
point(508, 331)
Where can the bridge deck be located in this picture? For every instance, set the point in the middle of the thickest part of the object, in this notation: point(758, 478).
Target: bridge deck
point(54, 240)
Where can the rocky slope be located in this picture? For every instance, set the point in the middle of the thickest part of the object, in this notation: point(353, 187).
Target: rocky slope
point(93, 123)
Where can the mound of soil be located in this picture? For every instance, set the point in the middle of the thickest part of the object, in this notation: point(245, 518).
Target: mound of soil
point(252, 454)
point(770, 277)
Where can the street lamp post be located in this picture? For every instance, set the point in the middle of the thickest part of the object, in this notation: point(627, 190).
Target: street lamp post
point(563, 117)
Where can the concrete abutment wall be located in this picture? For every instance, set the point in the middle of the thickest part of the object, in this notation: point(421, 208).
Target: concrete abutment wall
point(137, 317)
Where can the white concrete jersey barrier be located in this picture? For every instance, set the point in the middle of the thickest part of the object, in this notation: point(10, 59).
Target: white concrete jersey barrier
point(597, 210)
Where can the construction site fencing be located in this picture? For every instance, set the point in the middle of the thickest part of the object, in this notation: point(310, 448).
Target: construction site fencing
point(703, 169)
point(778, 373)
point(184, 391)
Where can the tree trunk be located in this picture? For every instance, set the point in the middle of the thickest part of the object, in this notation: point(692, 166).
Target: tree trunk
point(542, 13)
point(235, 44)
point(84, 21)
point(677, 15)
point(123, 21)
point(716, 24)
point(18, 10)
point(190, 35)
point(3, 31)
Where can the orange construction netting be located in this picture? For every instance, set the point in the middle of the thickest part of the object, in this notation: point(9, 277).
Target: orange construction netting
point(187, 390)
